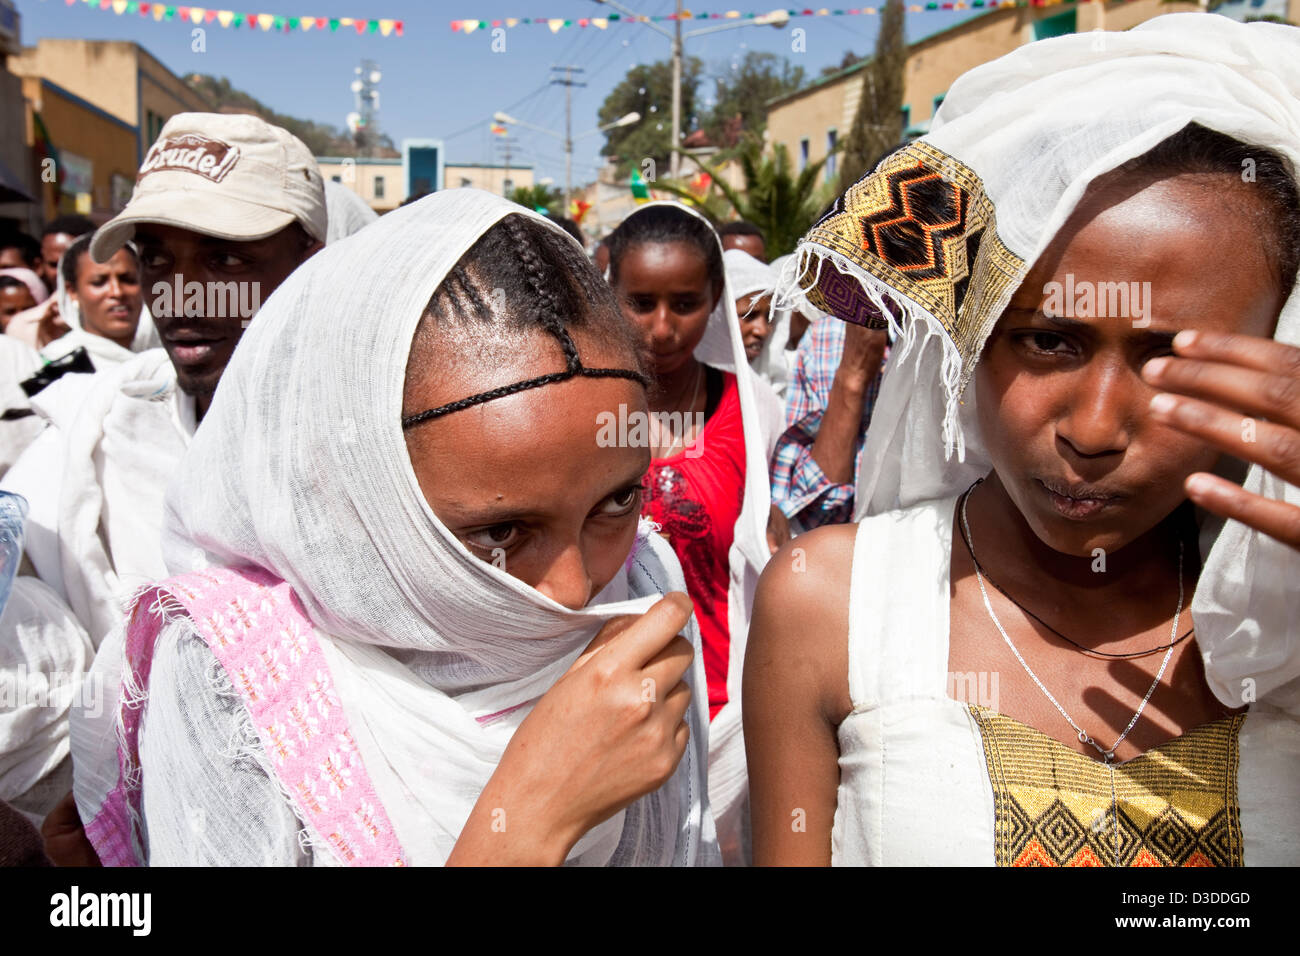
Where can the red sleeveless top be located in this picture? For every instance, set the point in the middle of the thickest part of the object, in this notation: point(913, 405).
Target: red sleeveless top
point(695, 497)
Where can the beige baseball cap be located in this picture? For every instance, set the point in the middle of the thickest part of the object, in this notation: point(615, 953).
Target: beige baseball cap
point(233, 176)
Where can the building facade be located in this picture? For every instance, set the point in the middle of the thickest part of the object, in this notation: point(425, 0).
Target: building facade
point(813, 121)
point(382, 185)
point(91, 110)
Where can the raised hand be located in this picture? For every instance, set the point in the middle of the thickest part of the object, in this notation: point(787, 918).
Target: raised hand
point(610, 731)
point(1240, 394)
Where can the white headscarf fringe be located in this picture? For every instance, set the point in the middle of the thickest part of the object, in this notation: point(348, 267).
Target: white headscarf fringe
point(914, 326)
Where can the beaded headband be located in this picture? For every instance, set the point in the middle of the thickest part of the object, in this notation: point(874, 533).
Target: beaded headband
point(575, 369)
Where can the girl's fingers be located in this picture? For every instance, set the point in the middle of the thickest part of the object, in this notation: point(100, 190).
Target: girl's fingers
point(668, 668)
point(1265, 394)
point(1277, 519)
point(1248, 351)
point(1274, 447)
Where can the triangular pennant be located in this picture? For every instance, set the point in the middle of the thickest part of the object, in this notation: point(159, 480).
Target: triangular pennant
point(158, 11)
point(469, 26)
point(397, 27)
point(385, 27)
point(307, 23)
point(345, 21)
point(144, 9)
point(265, 21)
point(225, 16)
point(321, 23)
point(183, 12)
point(334, 25)
point(556, 24)
point(197, 14)
point(599, 23)
point(512, 21)
point(119, 6)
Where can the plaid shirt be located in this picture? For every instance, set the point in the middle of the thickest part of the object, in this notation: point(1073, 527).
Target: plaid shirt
point(799, 487)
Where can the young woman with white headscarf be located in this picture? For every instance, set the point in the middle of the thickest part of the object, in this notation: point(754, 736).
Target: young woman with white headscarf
point(713, 428)
point(409, 536)
point(1090, 265)
point(103, 307)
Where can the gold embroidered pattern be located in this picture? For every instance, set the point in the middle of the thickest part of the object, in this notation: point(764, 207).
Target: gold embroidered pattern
point(920, 224)
point(1175, 805)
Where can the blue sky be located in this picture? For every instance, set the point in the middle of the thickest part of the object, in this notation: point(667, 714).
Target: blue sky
point(446, 85)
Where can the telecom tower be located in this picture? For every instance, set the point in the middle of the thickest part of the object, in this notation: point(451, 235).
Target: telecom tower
point(362, 121)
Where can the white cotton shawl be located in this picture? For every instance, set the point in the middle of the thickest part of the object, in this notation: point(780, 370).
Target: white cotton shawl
point(762, 419)
point(116, 441)
point(346, 211)
point(1036, 127)
point(301, 468)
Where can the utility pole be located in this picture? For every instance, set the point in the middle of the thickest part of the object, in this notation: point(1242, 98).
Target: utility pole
point(777, 18)
point(569, 83)
point(506, 149)
point(674, 158)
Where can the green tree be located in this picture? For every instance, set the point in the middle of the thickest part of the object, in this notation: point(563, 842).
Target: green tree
point(783, 204)
point(538, 197)
point(744, 89)
point(847, 60)
point(878, 124)
point(648, 89)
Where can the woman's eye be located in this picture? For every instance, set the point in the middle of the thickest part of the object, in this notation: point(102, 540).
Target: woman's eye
point(1044, 342)
point(497, 536)
point(621, 502)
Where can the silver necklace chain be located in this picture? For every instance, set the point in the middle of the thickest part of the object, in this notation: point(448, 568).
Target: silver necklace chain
point(1107, 755)
point(656, 438)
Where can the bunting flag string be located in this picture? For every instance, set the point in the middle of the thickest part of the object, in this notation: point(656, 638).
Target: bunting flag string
point(266, 22)
point(556, 24)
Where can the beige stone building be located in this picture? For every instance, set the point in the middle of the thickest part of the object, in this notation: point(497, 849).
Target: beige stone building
point(102, 104)
point(812, 121)
point(121, 78)
point(380, 182)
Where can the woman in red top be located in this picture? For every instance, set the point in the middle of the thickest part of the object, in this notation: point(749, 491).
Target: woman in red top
point(665, 264)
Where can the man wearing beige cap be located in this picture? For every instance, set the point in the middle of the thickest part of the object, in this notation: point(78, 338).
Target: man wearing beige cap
point(225, 207)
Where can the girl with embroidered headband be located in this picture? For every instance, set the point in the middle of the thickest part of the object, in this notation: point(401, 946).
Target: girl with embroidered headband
point(1064, 631)
point(420, 621)
point(707, 487)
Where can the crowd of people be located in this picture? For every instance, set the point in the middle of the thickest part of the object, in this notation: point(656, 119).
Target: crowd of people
point(438, 538)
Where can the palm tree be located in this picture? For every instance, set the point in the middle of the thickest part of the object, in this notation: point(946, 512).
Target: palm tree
point(538, 198)
point(782, 204)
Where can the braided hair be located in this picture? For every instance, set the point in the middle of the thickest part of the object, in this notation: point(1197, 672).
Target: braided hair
point(663, 225)
point(523, 276)
point(1198, 149)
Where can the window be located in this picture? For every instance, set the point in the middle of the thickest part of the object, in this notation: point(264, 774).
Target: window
point(153, 124)
point(337, 179)
point(507, 187)
point(832, 140)
point(379, 187)
point(803, 154)
point(1056, 26)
